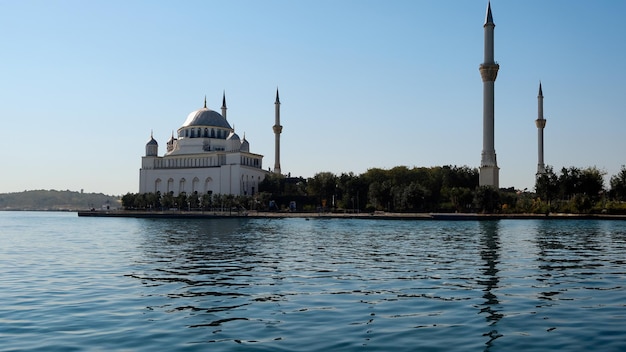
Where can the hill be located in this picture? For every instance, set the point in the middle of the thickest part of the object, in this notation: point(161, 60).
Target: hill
point(56, 200)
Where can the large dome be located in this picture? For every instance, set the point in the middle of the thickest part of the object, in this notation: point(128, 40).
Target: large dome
point(206, 117)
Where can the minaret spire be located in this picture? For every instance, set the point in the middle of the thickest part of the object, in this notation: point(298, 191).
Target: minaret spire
point(205, 101)
point(278, 129)
point(489, 17)
point(489, 170)
point(540, 122)
point(224, 104)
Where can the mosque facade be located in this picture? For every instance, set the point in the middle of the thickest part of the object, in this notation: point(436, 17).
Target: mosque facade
point(205, 156)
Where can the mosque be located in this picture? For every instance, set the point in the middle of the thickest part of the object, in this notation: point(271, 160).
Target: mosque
point(209, 157)
point(206, 157)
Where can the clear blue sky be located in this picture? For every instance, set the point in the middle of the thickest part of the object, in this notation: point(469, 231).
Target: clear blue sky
point(363, 84)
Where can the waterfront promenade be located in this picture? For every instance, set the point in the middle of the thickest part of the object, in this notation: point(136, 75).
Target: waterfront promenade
point(176, 214)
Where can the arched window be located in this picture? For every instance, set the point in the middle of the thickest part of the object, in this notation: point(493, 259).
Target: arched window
point(181, 187)
point(170, 185)
point(206, 132)
point(157, 185)
point(207, 184)
point(212, 133)
point(194, 184)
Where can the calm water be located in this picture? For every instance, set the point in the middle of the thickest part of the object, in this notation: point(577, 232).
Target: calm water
point(69, 283)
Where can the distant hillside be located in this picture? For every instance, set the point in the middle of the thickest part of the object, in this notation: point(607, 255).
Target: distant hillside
point(56, 200)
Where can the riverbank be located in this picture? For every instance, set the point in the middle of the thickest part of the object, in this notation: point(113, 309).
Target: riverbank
point(311, 215)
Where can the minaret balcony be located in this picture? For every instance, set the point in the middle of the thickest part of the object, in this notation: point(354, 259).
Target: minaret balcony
point(541, 123)
point(489, 72)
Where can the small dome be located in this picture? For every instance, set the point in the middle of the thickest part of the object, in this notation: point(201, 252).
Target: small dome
point(233, 136)
point(245, 146)
point(206, 117)
point(152, 147)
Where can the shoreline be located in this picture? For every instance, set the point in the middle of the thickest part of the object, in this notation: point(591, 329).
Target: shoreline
point(175, 214)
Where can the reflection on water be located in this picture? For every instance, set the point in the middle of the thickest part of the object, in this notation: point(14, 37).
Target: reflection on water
point(198, 259)
point(320, 285)
point(253, 281)
point(490, 254)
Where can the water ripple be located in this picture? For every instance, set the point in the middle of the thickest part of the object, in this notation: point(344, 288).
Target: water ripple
point(291, 284)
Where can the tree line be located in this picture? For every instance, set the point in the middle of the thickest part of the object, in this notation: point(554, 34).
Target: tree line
point(56, 200)
point(189, 202)
point(576, 190)
point(403, 189)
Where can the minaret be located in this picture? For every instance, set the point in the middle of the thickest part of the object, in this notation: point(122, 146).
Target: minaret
point(224, 105)
point(489, 170)
point(541, 124)
point(277, 131)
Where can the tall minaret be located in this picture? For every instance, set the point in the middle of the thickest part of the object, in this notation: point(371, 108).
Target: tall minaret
point(224, 105)
point(541, 124)
point(277, 131)
point(489, 170)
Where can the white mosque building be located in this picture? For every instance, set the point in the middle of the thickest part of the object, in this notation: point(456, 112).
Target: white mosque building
point(206, 156)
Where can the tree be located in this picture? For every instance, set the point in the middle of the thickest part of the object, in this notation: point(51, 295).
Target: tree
point(128, 200)
point(262, 200)
point(412, 196)
point(323, 186)
point(618, 185)
point(461, 177)
point(460, 198)
point(487, 199)
point(229, 201)
point(547, 185)
point(140, 201)
point(167, 200)
point(380, 195)
point(569, 182)
point(180, 201)
point(218, 201)
point(592, 183)
point(193, 200)
point(152, 200)
point(272, 183)
point(352, 190)
point(205, 201)
point(294, 186)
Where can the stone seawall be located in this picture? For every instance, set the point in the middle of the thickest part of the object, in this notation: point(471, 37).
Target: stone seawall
point(311, 215)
